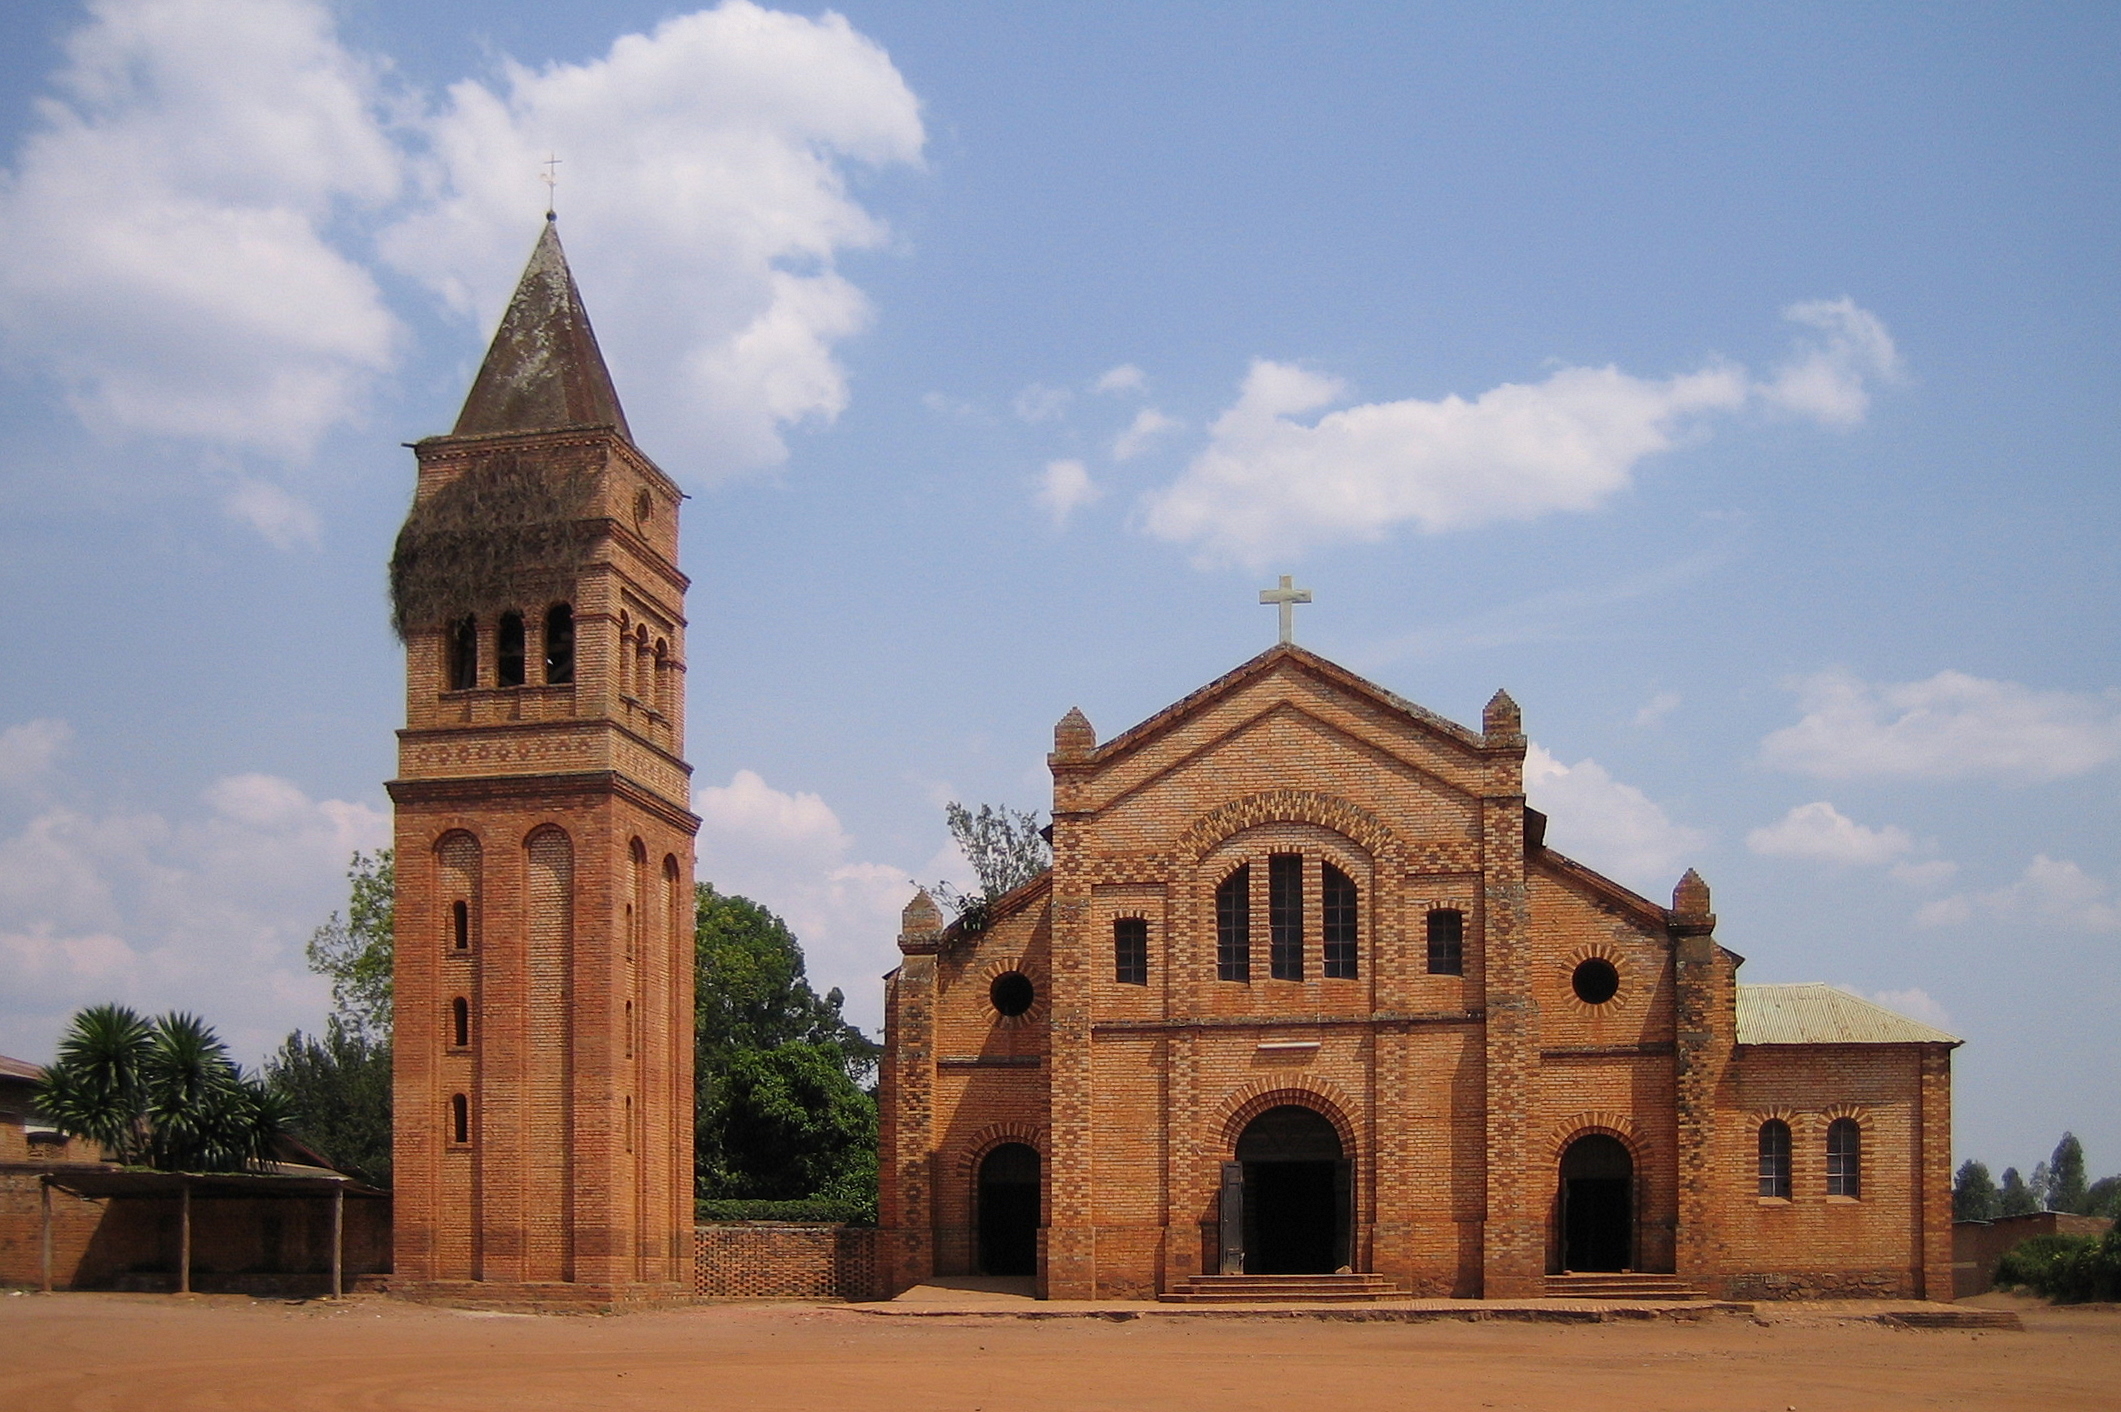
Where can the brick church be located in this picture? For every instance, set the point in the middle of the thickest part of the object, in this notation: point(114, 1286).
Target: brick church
point(1304, 996)
point(1305, 1003)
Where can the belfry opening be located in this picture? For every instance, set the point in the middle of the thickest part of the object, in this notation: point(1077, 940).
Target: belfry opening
point(1295, 1194)
point(1595, 1207)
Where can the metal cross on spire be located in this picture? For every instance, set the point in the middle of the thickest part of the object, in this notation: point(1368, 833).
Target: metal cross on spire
point(1286, 598)
point(551, 178)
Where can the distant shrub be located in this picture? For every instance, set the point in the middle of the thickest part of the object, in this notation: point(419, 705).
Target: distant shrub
point(2066, 1269)
point(811, 1211)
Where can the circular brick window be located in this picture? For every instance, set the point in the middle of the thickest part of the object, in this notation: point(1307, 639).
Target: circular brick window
point(1595, 981)
point(1012, 993)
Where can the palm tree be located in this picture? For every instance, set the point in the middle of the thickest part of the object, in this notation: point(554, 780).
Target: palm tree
point(163, 1093)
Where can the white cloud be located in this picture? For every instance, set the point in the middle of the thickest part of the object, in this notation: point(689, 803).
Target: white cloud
point(1269, 484)
point(789, 852)
point(1931, 872)
point(1040, 403)
point(1611, 826)
point(1951, 726)
point(1148, 424)
point(1124, 378)
point(165, 224)
point(703, 197)
point(1065, 488)
point(206, 912)
point(283, 519)
point(1829, 380)
point(29, 750)
point(1823, 834)
point(1657, 708)
point(2050, 892)
point(1915, 1003)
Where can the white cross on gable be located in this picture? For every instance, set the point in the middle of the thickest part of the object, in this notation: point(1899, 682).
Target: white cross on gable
point(1286, 598)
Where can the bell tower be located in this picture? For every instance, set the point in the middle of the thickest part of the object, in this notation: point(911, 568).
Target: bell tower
point(543, 1038)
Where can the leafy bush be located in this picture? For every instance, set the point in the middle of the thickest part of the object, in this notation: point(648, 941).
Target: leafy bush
point(2066, 1269)
point(812, 1211)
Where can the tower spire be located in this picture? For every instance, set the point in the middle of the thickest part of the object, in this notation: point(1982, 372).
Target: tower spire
point(544, 369)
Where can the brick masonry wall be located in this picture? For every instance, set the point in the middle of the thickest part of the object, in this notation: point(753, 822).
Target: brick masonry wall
point(1455, 1096)
point(260, 1245)
point(1978, 1245)
point(759, 1261)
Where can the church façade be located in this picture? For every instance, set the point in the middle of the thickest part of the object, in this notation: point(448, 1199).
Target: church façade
point(1305, 1002)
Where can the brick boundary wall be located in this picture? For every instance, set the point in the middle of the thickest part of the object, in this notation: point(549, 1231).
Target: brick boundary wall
point(759, 1260)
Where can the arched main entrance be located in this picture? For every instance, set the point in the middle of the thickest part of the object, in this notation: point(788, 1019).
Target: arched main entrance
point(1008, 1211)
point(1597, 1205)
point(1296, 1193)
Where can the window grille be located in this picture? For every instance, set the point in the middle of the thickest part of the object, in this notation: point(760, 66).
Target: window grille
point(1130, 950)
point(1775, 1158)
point(1233, 926)
point(1340, 924)
point(1285, 916)
point(1447, 942)
point(1844, 1158)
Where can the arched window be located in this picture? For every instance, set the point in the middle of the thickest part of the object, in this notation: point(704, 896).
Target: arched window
point(459, 1118)
point(1340, 924)
point(457, 869)
point(662, 676)
point(1233, 926)
point(1285, 916)
point(1130, 950)
point(1447, 942)
point(460, 1021)
point(464, 653)
point(625, 656)
point(1775, 1159)
point(1844, 1158)
point(629, 1029)
point(559, 644)
point(508, 651)
point(460, 924)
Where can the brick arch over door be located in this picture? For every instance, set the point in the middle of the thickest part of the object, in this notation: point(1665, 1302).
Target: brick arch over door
point(1324, 1099)
point(1290, 806)
point(995, 1135)
point(1602, 1121)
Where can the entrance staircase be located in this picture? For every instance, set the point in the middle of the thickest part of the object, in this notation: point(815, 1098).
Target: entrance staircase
point(1621, 1285)
point(1283, 1289)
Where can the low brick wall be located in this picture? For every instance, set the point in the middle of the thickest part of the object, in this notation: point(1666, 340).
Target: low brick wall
point(758, 1260)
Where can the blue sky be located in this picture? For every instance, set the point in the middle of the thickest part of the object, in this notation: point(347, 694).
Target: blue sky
point(1737, 389)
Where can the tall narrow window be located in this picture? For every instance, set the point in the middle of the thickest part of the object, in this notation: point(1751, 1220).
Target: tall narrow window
point(1340, 918)
point(464, 654)
point(1844, 1158)
point(1130, 950)
point(508, 651)
point(1447, 942)
point(1285, 916)
point(460, 925)
point(559, 644)
point(459, 1118)
point(460, 1021)
point(1233, 926)
point(661, 699)
point(1775, 1158)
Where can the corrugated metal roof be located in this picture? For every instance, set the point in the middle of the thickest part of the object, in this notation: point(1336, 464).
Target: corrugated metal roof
point(19, 1068)
point(1814, 1013)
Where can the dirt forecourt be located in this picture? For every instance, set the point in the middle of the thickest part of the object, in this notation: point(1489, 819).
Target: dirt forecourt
point(232, 1353)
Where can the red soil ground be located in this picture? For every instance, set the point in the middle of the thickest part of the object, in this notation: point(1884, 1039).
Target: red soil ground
point(228, 1352)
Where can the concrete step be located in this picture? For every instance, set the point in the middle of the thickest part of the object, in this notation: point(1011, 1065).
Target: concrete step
point(1269, 1289)
point(1621, 1285)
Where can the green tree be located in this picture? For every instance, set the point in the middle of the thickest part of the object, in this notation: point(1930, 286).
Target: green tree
point(1974, 1194)
point(1006, 849)
point(337, 1088)
point(2104, 1198)
point(781, 1112)
point(2065, 1176)
point(337, 1091)
point(2016, 1198)
point(355, 952)
point(160, 1093)
point(788, 1123)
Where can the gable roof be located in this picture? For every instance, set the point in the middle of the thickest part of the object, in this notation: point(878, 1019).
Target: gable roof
point(544, 369)
point(1266, 662)
point(1815, 1013)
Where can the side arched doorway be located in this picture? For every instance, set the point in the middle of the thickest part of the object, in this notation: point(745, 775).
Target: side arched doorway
point(1295, 1188)
point(1596, 1205)
point(1008, 1211)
